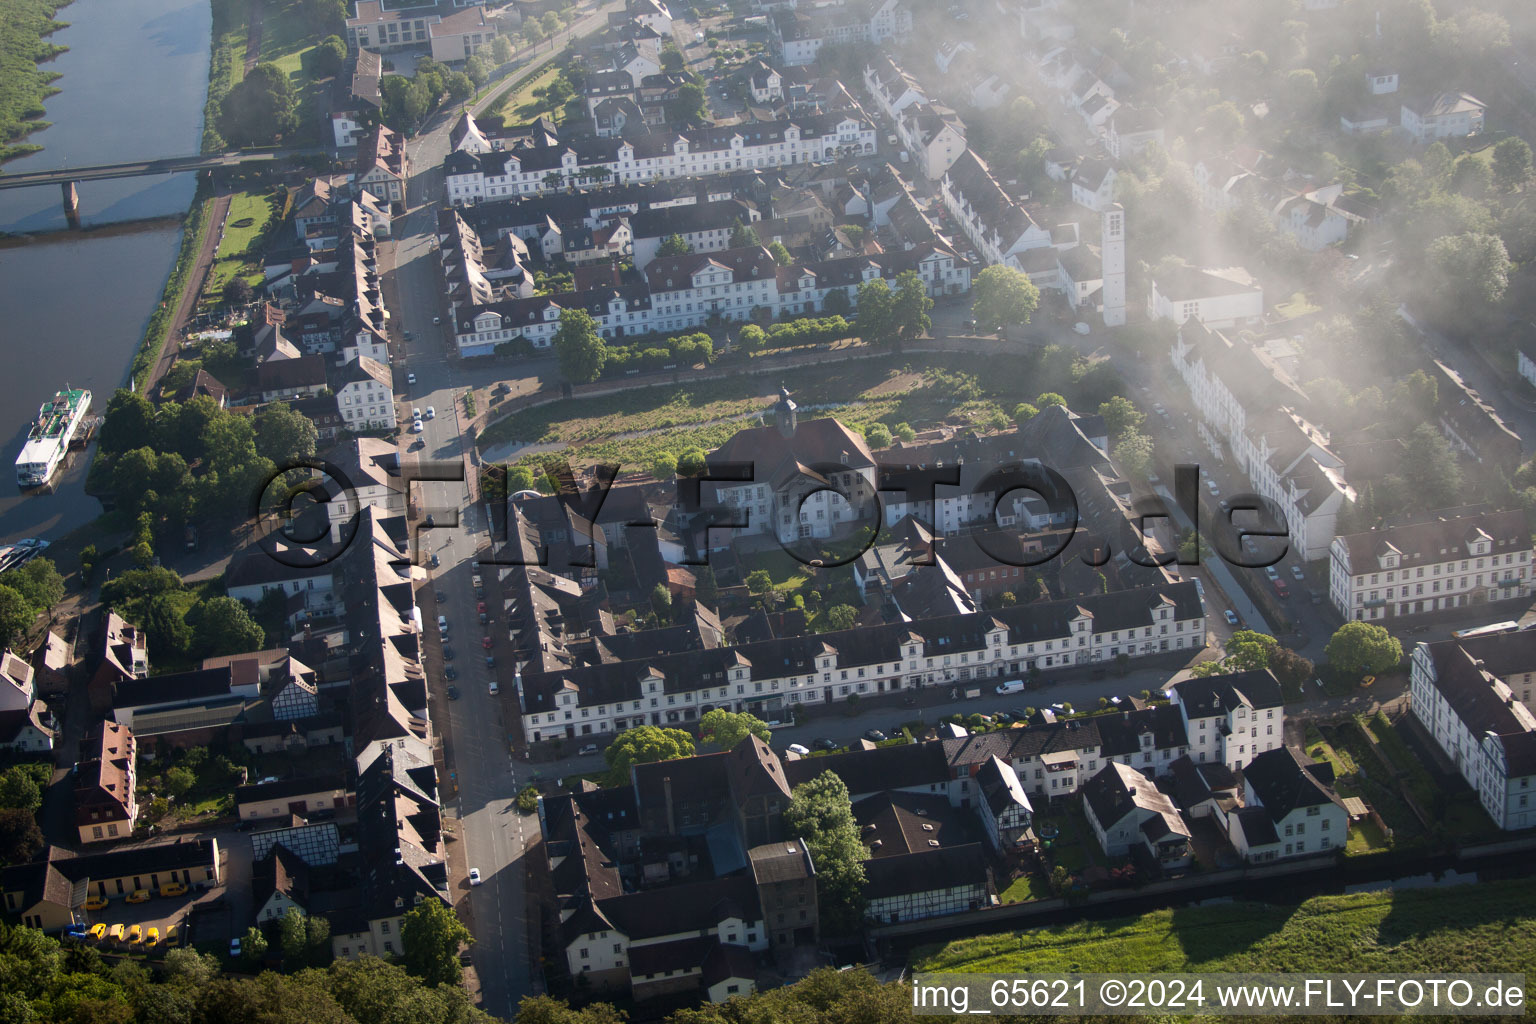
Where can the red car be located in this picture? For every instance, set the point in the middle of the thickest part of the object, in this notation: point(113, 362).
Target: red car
point(1281, 589)
point(480, 608)
point(486, 642)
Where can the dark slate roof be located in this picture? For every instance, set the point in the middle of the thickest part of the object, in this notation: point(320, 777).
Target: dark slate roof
point(1257, 827)
point(939, 868)
point(285, 788)
point(1215, 695)
point(873, 771)
point(188, 687)
point(781, 862)
point(1282, 782)
point(1438, 540)
point(1465, 671)
point(140, 860)
point(681, 908)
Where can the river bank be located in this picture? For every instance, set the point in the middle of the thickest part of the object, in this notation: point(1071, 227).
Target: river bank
point(25, 26)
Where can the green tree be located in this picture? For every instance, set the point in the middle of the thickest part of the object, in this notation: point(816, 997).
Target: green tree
point(430, 937)
point(837, 303)
point(904, 433)
point(329, 57)
point(1120, 415)
point(550, 22)
point(1248, 650)
point(661, 603)
point(877, 312)
point(842, 616)
point(1024, 412)
point(706, 588)
point(283, 434)
point(724, 729)
point(759, 581)
point(20, 838)
point(260, 109)
point(820, 812)
point(878, 435)
point(1133, 452)
point(671, 59)
point(579, 347)
point(253, 948)
point(687, 106)
point(293, 938)
point(16, 616)
point(691, 462)
point(460, 87)
point(478, 68)
point(751, 339)
point(643, 745)
point(743, 235)
point(179, 781)
point(780, 254)
point(664, 466)
point(223, 625)
point(909, 307)
point(1363, 648)
point(501, 50)
point(1474, 267)
point(674, 245)
point(1512, 162)
point(21, 788)
point(1290, 668)
point(1002, 296)
point(1430, 468)
point(39, 583)
point(129, 420)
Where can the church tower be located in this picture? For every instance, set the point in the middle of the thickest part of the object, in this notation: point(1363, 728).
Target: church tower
point(1114, 266)
point(785, 416)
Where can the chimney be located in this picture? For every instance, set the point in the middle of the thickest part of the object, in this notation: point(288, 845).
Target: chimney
point(666, 788)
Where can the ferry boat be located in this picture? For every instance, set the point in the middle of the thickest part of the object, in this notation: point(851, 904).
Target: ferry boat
point(48, 440)
point(15, 555)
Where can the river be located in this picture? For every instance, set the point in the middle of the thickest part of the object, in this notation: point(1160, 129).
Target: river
point(75, 305)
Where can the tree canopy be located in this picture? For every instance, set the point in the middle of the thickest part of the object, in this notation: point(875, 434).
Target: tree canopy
point(1363, 648)
point(579, 347)
point(821, 812)
point(1002, 296)
point(643, 745)
point(430, 937)
point(261, 108)
point(724, 729)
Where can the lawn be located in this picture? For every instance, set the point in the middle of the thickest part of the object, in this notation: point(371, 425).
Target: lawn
point(286, 39)
point(1365, 838)
point(521, 105)
point(1297, 305)
point(920, 390)
point(1484, 927)
point(245, 229)
point(1025, 888)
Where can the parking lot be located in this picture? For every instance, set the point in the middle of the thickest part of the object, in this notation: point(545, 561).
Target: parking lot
point(167, 915)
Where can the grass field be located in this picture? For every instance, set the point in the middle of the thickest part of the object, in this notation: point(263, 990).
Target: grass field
point(250, 218)
point(226, 67)
point(1481, 927)
point(286, 39)
point(921, 390)
point(521, 105)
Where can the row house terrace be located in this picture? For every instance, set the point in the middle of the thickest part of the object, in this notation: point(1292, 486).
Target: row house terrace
point(1000, 228)
point(535, 170)
point(770, 676)
point(1451, 561)
point(1467, 694)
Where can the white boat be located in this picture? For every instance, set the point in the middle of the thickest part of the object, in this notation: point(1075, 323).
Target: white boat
point(21, 552)
point(48, 440)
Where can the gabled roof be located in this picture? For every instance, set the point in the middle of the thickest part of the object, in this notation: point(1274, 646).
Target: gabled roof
point(1216, 695)
point(1283, 780)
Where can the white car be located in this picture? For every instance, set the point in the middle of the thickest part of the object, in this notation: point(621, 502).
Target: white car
point(417, 427)
point(799, 748)
point(436, 320)
point(415, 414)
point(474, 876)
point(1297, 574)
point(410, 378)
point(431, 413)
point(1231, 617)
point(1272, 573)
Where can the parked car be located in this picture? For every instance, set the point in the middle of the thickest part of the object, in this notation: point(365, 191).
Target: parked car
point(409, 336)
point(234, 946)
point(152, 936)
point(410, 378)
point(875, 736)
point(796, 748)
point(449, 672)
point(822, 743)
point(135, 932)
point(1280, 588)
point(1297, 574)
point(415, 414)
point(453, 693)
point(434, 562)
point(588, 750)
point(430, 521)
point(96, 903)
point(1272, 573)
point(1231, 617)
point(173, 889)
point(494, 689)
point(436, 320)
point(138, 896)
point(474, 876)
point(447, 653)
point(98, 930)
point(490, 661)
point(417, 427)
point(480, 607)
point(431, 412)
point(487, 643)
